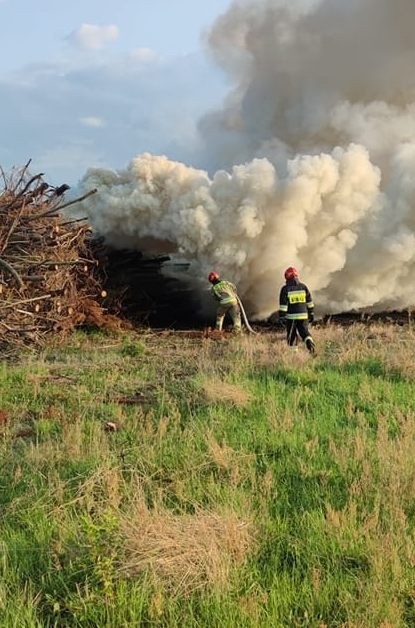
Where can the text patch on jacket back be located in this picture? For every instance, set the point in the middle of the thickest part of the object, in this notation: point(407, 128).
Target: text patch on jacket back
point(297, 296)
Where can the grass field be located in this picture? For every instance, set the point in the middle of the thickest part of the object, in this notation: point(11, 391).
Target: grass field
point(241, 484)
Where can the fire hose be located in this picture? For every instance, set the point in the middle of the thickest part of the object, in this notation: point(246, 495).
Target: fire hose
point(245, 318)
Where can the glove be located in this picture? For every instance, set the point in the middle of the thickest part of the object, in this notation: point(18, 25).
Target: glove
point(311, 316)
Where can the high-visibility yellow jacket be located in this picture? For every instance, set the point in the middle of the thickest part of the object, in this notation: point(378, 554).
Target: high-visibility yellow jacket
point(224, 292)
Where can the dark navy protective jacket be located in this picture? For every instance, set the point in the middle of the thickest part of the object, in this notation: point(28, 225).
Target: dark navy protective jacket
point(295, 301)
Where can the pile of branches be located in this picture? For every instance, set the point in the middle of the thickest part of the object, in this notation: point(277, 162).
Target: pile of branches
point(49, 278)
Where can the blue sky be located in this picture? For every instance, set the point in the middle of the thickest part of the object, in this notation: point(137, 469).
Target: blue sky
point(94, 82)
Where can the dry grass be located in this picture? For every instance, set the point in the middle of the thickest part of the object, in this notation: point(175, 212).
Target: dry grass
point(185, 552)
point(235, 464)
point(222, 455)
point(216, 391)
point(350, 344)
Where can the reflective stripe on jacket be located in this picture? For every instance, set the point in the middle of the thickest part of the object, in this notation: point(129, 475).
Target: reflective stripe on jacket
point(224, 292)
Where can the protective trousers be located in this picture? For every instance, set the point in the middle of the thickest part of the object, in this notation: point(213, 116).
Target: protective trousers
point(233, 311)
point(299, 328)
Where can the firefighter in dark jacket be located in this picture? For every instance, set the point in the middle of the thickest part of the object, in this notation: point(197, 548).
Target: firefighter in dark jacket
point(296, 309)
point(225, 293)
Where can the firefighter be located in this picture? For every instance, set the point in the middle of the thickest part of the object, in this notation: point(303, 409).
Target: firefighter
point(225, 293)
point(296, 309)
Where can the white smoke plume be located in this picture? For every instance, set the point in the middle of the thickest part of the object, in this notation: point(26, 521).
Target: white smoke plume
point(322, 116)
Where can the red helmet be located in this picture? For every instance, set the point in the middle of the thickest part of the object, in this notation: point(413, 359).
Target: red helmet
point(213, 276)
point(291, 273)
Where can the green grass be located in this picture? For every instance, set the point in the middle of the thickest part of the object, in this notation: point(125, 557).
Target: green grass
point(316, 457)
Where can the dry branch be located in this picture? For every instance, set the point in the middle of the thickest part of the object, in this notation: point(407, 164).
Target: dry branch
point(49, 212)
point(12, 271)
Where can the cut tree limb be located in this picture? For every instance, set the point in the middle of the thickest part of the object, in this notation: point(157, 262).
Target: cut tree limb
point(49, 212)
point(12, 271)
point(5, 306)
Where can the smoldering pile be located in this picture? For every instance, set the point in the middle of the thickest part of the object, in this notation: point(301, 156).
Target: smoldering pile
point(150, 290)
point(49, 278)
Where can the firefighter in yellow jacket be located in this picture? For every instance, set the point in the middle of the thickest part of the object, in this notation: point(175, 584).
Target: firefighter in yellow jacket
point(296, 309)
point(226, 294)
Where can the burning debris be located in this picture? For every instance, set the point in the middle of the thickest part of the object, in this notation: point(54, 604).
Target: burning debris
point(49, 278)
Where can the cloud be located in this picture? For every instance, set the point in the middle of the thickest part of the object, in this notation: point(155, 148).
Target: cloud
point(65, 154)
point(51, 112)
point(94, 37)
point(93, 121)
point(144, 55)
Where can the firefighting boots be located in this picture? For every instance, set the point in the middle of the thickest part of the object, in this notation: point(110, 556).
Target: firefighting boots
point(309, 343)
